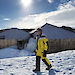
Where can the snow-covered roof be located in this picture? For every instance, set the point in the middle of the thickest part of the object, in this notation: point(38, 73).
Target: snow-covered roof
point(54, 32)
point(15, 34)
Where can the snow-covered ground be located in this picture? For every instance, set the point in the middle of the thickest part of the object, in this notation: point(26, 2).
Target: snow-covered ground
point(14, 52)
point(22, 62)
point(63, 64)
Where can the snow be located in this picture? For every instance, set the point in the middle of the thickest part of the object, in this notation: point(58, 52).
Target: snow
point(31, 45)
point(53, 32)
point(22, 62)
point(15, 34)
point(14, 52)
point(63, 64)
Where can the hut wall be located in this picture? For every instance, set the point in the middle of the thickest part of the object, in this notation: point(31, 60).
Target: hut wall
point(55, 45)
point(6, 43)
point(58, 45)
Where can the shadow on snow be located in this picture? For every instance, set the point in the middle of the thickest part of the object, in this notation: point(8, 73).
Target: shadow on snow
point(51, 72)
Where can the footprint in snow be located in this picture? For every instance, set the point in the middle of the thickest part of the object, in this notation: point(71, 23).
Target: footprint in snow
point(7, 65)
point(1, 69)
point(60, 59)
point(52, 71)
point(50, 59)
point(67, 58)
point(57, 57)
point(69, 68)
point(12, 74)
point(70, 73)
point(24, 60)
point(64, 73)
point(73, 56)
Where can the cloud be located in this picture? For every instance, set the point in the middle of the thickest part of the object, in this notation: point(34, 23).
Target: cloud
point(6, 19)
point(60, 17)
point(70, 4)
point(64, 15)
point(50, 1)
point(31, 21)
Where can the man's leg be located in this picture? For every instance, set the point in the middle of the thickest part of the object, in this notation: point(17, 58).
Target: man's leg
point(37, 64)
point(47, 62)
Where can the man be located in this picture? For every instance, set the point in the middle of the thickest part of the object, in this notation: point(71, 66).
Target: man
point(42, 47)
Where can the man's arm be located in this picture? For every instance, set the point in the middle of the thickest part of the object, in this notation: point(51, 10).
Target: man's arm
point(45, 48)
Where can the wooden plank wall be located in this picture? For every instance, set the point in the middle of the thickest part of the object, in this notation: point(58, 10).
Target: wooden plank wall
point(58, 45)
point(6, 43)
point(55, 45)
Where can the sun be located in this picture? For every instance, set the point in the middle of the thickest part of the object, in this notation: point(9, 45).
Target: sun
point(26, 3)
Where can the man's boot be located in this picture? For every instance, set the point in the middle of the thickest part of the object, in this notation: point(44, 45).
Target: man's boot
point(36, 70)
point(49, 67)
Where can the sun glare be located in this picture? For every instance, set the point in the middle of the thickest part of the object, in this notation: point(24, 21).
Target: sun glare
point(26, 3)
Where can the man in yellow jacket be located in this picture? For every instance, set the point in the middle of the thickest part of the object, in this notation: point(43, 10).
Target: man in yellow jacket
point(42, 47)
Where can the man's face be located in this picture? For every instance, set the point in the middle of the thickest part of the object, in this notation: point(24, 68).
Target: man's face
point(38, 32)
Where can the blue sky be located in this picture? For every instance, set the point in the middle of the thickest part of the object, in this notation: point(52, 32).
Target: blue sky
point(13, 13)
point(13, 8)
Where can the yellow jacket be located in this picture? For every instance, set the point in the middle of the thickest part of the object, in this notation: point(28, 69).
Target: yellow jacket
point(42, 45)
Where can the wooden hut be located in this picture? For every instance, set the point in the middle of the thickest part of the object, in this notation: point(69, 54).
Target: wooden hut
point(13, 37)
point(59, 38)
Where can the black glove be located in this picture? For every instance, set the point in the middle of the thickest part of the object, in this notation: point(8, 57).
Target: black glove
point(34, 51)
point(44, 53)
